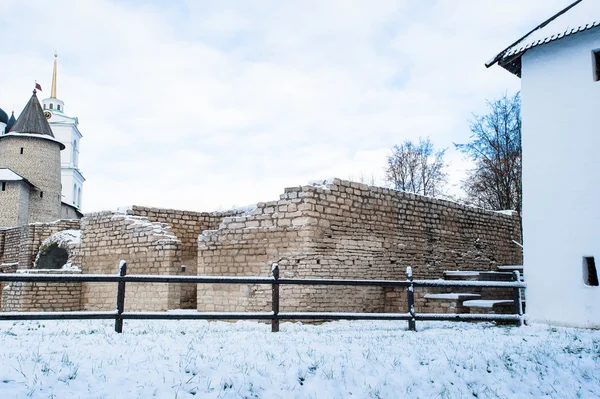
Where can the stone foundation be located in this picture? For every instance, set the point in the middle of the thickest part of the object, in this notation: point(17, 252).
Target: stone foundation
point(45, 297)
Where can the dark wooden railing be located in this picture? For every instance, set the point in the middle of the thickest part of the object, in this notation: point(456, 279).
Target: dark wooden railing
point(274, 315)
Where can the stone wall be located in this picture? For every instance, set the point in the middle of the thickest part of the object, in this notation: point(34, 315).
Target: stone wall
point(36, 158)
point(45, 297)
point(20, 244)
point(342, 229)
point(14, 200)
point(148, 247)
point(186, 226)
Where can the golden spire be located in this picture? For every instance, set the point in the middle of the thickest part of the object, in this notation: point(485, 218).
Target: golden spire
point(53, 93)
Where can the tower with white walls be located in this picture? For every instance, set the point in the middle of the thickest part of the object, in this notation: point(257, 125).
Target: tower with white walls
point(66, 131)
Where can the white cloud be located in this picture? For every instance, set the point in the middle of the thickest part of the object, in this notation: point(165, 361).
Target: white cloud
point(197, 105)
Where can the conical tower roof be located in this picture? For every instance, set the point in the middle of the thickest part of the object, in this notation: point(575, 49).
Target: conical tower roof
point(11, 122)
point(32, 119)
point(3, 116)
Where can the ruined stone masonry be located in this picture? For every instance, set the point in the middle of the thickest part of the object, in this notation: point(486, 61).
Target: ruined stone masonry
point(341, 229)
point(334, 229)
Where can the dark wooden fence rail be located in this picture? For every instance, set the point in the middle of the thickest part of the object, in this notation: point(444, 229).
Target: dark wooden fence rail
point(275, 315)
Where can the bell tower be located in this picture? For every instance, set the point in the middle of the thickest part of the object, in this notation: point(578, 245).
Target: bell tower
point(66, 131)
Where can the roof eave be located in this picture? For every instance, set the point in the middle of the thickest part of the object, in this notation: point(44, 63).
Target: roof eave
point(500, 55)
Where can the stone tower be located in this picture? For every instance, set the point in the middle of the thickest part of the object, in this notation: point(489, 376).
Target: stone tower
point(30, 169)
point(66, 131)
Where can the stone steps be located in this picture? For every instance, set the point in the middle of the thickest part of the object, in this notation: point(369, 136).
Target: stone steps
point(481, 275)
point(480, 300)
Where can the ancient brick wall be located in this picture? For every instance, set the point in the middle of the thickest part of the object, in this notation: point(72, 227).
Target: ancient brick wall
point(20, 244)
point(10, 240)
point(148, 247)
point(38, 160)
point(44, 297)
point(14, 200)
point(186, 226)
point(349, 230)
point(33, 235)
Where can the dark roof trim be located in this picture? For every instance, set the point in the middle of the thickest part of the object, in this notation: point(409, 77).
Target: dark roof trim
point(546, 22)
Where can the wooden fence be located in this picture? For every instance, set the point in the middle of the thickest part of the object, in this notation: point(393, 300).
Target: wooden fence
point(274, 315)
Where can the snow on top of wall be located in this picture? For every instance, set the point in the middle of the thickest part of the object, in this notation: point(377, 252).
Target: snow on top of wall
point(323, 183)
point(244, 210)
point(64, 237)
point(581, 17)
point(124, 209)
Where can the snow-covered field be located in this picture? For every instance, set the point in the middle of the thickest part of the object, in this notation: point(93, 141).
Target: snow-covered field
point(170, 359)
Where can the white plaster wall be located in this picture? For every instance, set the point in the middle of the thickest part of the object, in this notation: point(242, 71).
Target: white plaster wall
point(65, 134)
point(70, 178)
point(561, 179)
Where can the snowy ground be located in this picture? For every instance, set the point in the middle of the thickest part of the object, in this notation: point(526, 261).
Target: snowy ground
point(170, 359)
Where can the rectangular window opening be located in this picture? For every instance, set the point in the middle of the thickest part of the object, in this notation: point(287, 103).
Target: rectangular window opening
point(590, 273)
point(21, 150)
point(41, 194)
point(596, 64)
point(3, 186)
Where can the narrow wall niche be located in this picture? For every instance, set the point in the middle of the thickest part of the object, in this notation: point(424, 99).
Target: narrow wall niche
point(590, 273)
point(596, 64)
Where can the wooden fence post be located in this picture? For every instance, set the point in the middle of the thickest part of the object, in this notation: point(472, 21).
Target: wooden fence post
point(275, 298)
point(120, 298)
point(410, 295)
point(518, 304)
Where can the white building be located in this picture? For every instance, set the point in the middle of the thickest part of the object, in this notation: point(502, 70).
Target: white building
point(559, 66)
point(65, 130)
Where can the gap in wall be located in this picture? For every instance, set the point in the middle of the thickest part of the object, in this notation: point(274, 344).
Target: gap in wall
point(590, 273)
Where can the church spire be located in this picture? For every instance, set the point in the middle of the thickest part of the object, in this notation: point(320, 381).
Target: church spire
point(53, 92)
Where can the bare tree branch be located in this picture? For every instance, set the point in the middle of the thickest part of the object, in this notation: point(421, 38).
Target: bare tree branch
point(417, 168)
point(495, 146)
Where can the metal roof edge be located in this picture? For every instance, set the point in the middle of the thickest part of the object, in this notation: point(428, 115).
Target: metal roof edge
point(501, 54)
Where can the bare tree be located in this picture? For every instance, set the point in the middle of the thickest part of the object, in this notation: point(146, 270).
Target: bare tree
point(495, 146)
point(417, 168)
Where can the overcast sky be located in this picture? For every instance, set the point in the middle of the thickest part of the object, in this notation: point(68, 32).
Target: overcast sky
point(204, 105)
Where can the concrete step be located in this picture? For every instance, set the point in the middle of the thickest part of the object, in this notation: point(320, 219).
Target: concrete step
point(495, 276)
point(482, 275)
point(451, 296)
point(510, 268)
point(461, 275)
point(487, 303)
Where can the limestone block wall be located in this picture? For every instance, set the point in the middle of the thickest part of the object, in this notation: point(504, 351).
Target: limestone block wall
point(148, 247)
point(44, 297)
point(186, 226)
point(25, 155)
point(14, 200)
point(20, 244)
point(10, 246)
point(33, 235)
point(342, 229)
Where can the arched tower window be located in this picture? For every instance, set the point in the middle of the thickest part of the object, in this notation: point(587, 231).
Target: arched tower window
point(58, 107)
point(79, 197)
point(50, 106)
point(75, 153)
point(74, 193)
